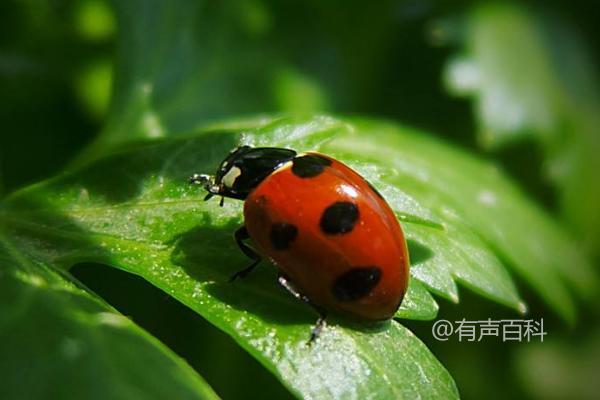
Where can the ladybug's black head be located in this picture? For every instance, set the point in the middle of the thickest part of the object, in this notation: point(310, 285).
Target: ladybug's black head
point(242, 170)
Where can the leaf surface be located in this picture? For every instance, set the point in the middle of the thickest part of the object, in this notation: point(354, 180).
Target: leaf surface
point(58, 341)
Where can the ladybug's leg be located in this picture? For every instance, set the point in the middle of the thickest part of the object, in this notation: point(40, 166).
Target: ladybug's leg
point(240, 235)
point(316, 330)
point(285, 282)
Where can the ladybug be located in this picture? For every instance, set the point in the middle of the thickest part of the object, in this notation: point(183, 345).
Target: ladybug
point(334, 239)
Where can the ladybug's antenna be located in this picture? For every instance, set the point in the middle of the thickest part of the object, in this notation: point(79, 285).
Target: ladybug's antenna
point(208, 182)
point(199, 179)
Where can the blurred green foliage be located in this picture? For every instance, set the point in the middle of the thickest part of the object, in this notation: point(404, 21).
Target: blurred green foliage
point(531, 76)
point(390, 59)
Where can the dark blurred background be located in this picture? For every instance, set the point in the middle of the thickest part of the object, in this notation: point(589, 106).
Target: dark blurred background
point(408, 61)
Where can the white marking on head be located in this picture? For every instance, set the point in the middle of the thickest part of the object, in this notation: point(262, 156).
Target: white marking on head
point(230, 177)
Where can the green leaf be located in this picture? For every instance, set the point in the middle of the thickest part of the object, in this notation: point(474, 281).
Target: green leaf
point(181, 64)
point(136, 211)
point(58, 341)
point(529, 76)
point(418, 303)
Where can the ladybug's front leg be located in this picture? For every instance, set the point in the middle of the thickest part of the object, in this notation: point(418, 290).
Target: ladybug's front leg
point(320, 324)
point(240, 235)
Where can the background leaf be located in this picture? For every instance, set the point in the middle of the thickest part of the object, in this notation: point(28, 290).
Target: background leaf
point(58, 341)
point(182, 64)
point(530, 77)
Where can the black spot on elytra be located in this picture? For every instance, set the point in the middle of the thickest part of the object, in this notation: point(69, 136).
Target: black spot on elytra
point(282, 235)
point(339, 218)
point(356, 283)
point(373, 188)
point(309, 166)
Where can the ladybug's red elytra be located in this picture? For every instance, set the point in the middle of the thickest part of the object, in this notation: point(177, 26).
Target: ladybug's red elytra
point(335, 240)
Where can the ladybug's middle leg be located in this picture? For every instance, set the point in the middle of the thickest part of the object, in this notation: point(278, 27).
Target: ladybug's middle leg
point(240, 235)
point(285, 282)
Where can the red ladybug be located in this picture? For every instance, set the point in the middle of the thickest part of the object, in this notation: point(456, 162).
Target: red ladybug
point(335, 240)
